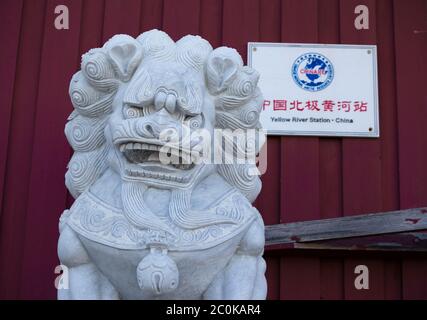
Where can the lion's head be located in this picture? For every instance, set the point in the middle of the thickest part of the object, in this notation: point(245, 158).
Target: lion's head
point(138, 101)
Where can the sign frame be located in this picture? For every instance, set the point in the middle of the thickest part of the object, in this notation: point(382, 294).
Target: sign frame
point(375, 133)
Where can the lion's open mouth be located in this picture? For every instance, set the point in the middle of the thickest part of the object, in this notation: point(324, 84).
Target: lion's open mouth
point(144, 153)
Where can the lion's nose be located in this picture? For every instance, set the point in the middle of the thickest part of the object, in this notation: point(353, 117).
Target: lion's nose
point(163, 100)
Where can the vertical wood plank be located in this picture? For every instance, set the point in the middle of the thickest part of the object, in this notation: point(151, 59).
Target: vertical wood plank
point(376, 279)
point(388, 108)
point(151, 15)
point(272, 275)
point(330, 166)
point(20, 147)
point(91, 27)
point(121, 17)
point(410, 42)
point(393, 279)
point(300, 166)
point(414, 280)
point(330, 178)
point(410, 27)
point(240, 24)
point(331, 279)
point(50, 155)
point(268, 202)
point(10, 15)
point(211, 21)
point(300, 155)
point(299, 278)
point(330, 149)
point(361, 157)
point(181, 18)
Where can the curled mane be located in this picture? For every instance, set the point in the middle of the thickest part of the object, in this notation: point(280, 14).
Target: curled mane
point(232, 86)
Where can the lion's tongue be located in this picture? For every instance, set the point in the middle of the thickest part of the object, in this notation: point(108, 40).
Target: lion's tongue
point(154, 156)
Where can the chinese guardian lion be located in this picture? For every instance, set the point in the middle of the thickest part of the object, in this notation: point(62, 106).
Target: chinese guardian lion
point(141, 228)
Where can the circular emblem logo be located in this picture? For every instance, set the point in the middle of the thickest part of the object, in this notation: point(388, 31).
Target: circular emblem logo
point(312, 71)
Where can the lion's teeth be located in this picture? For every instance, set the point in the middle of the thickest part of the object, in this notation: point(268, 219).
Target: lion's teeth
point(174, 159)
point(137, 146)
point(122, 147)
point(186, 158)
point(174, 152)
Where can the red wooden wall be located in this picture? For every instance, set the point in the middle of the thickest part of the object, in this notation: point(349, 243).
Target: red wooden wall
point(307, 178)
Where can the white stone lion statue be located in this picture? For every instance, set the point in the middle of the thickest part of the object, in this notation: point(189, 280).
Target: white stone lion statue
point(141, 228)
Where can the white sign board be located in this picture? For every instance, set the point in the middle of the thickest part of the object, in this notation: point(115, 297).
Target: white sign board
point(317, 90)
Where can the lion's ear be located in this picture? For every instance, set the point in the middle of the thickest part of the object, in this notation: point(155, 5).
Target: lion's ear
point(221, 69)
point(125, 54)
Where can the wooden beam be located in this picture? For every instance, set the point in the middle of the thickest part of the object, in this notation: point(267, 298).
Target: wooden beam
point(347, 227)
point(396, 242)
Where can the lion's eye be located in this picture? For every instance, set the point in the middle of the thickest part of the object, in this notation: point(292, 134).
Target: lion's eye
point(132, 112)
point(136, 111)
point(195, 122)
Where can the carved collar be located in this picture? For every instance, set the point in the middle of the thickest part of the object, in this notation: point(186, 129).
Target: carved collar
point(102, 223)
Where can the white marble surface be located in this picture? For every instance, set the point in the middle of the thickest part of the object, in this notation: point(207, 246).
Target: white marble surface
point(143, 229)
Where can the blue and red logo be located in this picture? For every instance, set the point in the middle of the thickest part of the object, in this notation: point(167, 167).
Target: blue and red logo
point(312, 71)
